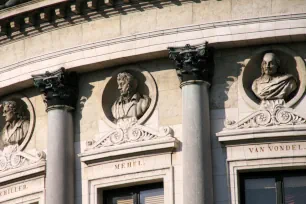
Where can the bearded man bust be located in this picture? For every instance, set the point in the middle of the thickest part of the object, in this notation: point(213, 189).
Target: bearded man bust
point(273, 85)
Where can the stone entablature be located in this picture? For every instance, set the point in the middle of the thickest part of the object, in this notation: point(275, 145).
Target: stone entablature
point(146, 45)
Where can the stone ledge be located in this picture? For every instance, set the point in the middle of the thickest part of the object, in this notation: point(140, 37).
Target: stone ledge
point(27, 171)
point(239, 135)
point(107, 153)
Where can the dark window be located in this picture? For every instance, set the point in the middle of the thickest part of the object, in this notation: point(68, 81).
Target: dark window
point(143, 194)
point(282, 187)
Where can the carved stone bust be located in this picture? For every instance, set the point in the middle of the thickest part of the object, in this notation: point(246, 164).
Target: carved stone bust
point(130, 105)
point(16, 127)
point(273, 85)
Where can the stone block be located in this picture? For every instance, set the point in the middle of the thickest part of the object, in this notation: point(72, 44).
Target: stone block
point(101, 29)
point(166, 17)
point(67, 37)
point(170, 111)
point(209, 11)
point(12, 53)
point(130, 24)
point(41, 132)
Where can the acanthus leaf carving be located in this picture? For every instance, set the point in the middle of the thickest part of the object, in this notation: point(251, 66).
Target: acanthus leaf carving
point(271, 113)
point(131, 134)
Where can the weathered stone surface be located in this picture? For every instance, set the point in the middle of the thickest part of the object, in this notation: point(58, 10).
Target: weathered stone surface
point(60, 88)
point(193, 62)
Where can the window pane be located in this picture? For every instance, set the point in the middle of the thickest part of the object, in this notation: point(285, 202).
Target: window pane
point(260, 191)
point(120, 200)
point(295, 190)
point(152, 196)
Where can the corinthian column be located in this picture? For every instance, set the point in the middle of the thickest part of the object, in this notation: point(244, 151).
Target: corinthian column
point(60, 95)
point(194, 68)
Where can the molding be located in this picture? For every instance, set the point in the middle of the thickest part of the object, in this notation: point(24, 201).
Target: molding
point(60, 89)
point(174, 31)
point(32, 165)
point(123, 151)
point(282, 28)
point(278, 164)
point(135, 139)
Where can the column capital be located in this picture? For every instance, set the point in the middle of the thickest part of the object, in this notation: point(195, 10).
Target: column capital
point(193, 63)
point(60, 88)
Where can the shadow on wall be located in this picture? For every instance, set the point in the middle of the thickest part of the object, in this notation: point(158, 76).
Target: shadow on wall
point(224, 89)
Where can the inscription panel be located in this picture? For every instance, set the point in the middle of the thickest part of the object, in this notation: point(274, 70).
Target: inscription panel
point(268, 150)
point(129, 166)
point(20, 189)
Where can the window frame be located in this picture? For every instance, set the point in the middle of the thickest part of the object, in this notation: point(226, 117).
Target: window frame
point(135, 191)
point(279, 177)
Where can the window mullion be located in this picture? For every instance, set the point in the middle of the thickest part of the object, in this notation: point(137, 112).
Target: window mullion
point(135, 198)
point(279, 190)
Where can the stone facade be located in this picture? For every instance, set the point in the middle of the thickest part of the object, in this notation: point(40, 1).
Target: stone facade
point(193, 121)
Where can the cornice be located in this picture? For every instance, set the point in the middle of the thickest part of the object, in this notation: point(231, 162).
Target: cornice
point(269, 30)
point(171, 31)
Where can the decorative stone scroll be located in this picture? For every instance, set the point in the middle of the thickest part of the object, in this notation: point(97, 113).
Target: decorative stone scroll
point(193, 62)
point(271, 113)
point(12, 158)
point(132, 134)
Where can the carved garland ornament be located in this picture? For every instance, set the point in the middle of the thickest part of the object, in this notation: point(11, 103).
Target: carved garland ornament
point(271, 113)
point(136, 133)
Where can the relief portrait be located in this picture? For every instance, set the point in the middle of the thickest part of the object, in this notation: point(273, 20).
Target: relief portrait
point(272, 84)
point(130, 105)
point(16, 127)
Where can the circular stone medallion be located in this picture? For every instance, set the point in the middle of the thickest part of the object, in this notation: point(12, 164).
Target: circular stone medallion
point(146, 89)
point(290, 63)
